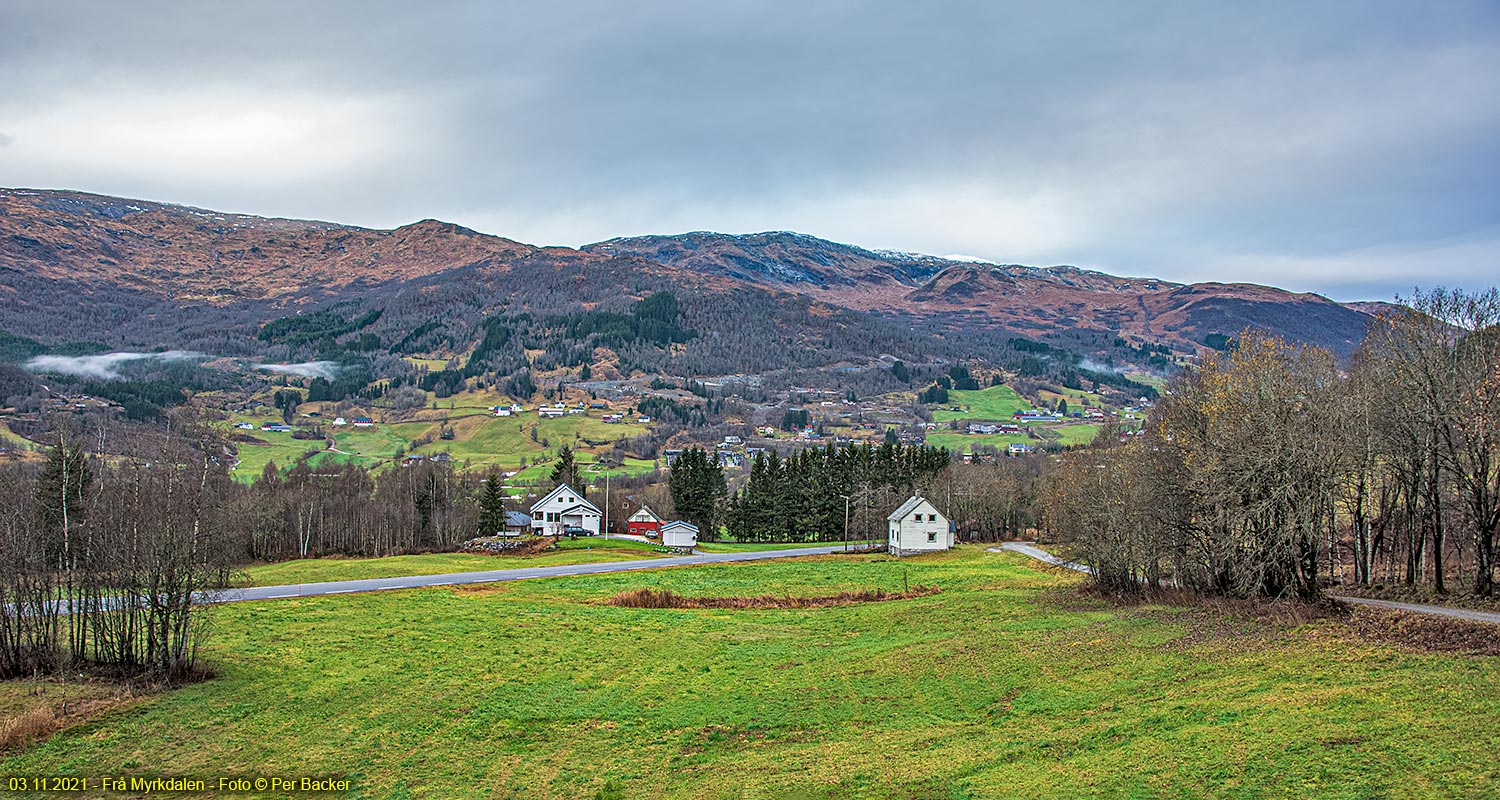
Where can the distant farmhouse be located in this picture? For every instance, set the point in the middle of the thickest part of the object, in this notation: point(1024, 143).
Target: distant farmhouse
point(917, 527)
point(563, 509)
point(643, 522)
point(517, 523)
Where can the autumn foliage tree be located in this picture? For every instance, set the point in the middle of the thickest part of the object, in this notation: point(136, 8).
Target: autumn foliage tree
point(1270, 468)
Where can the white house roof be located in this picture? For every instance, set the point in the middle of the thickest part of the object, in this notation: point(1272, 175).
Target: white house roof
point(906, 508)
point(584, 506)
point(645, 514)
point(561, 489)
point(675, 524)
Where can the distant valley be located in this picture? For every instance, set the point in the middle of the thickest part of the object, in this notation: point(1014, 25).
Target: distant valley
point(138, 306)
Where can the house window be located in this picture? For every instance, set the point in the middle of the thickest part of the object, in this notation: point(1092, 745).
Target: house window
point(932, 537)
point(917, 518)
point(932, 518)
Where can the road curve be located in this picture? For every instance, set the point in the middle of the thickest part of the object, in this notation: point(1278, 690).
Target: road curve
point(1027, 549)
point(498, 575)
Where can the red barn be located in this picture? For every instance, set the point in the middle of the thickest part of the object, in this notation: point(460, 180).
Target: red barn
point(643, 523)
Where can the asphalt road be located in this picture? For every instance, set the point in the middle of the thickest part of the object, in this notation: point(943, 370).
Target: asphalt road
point(498, 575)
point(1417, 608)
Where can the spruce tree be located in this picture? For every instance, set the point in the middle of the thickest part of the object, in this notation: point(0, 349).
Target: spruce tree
point(61, 484)
point(491, 506)
point(566, 471)
point(697, 485)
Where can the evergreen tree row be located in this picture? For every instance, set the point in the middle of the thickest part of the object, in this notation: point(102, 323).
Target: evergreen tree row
point(802, 498)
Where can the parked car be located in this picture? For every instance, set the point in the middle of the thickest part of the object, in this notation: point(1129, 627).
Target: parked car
point(574, 530)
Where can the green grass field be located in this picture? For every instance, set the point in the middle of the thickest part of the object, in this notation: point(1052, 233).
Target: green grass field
point(279, 447)
point(1075, 434)
point(481, 441)
point(1155, 381)
point(319, 570)
point(570, 551)
point(750, 547)
point(994, 403)
point(504, 441)
point(1003, 686)
point(962, 442)
point(14, 439)
point(1075, 397)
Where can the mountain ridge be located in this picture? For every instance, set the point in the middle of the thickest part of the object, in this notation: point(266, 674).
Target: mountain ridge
point(184, 253)
point(1059, 302)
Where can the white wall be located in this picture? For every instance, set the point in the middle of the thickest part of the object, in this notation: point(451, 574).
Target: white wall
point(678, 537)
point(540, 513)
point(908, 534)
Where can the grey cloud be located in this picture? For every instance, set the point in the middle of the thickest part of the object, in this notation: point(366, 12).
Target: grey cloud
point(1150, 138)
point(308, 369)
point(105, 366)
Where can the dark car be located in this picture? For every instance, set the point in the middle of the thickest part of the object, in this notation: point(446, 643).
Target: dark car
point(574, 530)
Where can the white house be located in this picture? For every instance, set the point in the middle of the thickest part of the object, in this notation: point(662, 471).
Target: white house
point(643, 522)
point(917, 527)
point(563, 508)
point(679, 535)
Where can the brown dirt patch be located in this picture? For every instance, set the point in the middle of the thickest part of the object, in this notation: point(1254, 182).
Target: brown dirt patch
point(1425, 633)
point(1208, 619)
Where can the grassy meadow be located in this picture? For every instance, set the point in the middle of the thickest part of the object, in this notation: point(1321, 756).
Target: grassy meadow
point(1071, 435)
point(320, 570)
point(1006, 684)
point(590, 550)
point(999, 403)
point(996, 403)
point(480, 440)
point(961, 442)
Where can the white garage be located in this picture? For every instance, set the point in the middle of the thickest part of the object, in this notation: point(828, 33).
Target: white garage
point(679, 535)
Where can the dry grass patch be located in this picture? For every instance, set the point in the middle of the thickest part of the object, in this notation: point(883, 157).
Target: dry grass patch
point(31, 711)
point(1213, 618)
point(33, 725)
point(666, 598)
point(1423, 633)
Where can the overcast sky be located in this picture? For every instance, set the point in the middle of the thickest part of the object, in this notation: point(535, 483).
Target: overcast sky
point(1349, 149)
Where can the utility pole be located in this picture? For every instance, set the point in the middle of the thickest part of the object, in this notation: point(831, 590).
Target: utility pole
point(606, 502)
point(846, 522)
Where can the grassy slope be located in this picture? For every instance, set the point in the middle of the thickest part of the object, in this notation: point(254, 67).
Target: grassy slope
point(961, 442)
point(317, 570)
point(1075, 397)
point(999, 403)
point(994, 688)
point(504, 441)
point(996, 403)
point(279, 447)
point(480, 441)
point(1076, 434)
